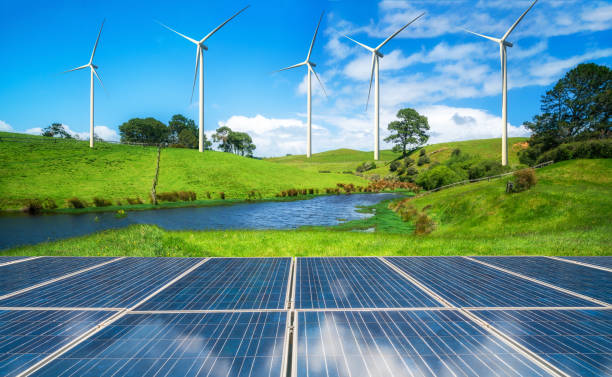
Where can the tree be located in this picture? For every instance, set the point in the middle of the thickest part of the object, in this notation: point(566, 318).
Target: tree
point(56, 130)
point(222, 136)
point(410, 130)
point(187, 139)
point(578, 107)
point(234, 142)
point(147, 131)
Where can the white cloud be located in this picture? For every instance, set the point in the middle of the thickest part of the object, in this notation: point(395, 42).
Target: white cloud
point(104, 132)
point(34, 131)
point(5, 126)
point(546, 72)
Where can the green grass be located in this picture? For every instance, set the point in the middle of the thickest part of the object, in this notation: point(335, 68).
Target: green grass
point(63, 169)
point(566, 213)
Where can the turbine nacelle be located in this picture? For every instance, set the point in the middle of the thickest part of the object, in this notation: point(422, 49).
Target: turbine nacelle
point(507, 44)
point(203, 46)
point(379, 54)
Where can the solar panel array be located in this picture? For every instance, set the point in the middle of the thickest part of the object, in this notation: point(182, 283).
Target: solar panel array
point(605, 262)
point(346, 316)
point(9, 259)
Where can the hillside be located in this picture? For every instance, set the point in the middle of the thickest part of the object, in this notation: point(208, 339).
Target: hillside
point(340, 160)
point(62, 169)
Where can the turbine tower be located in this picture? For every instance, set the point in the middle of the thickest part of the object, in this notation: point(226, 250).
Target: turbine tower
point(200, 48)
point(92, 72)
point(374, 76)
point(311, 70)
point(502, 52)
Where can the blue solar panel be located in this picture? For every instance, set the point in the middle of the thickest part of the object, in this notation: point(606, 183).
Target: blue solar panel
point(228, 284)
point(27, 336)
point(10, 259)
point(212, 344)
point(579, 342)
point(588, 281)
point(17, 276)
point(119, 284)
point(596, 261)
point(402, 343)
point(354, 282)
point(465, 283)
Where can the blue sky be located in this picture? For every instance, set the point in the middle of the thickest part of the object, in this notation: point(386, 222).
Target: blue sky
point(433, 66)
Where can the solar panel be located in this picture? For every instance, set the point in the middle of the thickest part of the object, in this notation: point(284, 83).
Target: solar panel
point(10, 259)
point(596, 261)
point(466, 283)
point(228, 284)
point(588, 281)
point(212, 344)
point(354, 282)
point(119, 284)
point(27, 336)
point(17, 276)
point(402, 343)
point(576, 341)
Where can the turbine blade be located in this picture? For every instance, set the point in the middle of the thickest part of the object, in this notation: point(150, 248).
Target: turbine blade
point(291, 67)
point(371, 79)
point(223, 24)
point(314, 37)
point(182, 35)
point(195, 76)
point(318, 79)
point(517, 21)
point(360, 44)
point(96, 73)
point(77, 68)
point(399, 31)
point(484, 36)
point(96, 45)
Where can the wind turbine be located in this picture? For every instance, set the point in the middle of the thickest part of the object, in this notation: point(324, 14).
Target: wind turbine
point(200, 48)
point(311, 70)
point(93, 72)
point(502, 52)
point(375, 56)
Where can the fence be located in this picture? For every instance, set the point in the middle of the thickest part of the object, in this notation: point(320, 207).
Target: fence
point(55, 140)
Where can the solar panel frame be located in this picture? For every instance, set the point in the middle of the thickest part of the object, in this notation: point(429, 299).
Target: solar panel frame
point(600, 261)
point(228, 284)
point(115, 285)
point(28, 336)
point(11, 259)
point(576, 341)
point(587, 281)
point(466, 283)
point(177, 343)
point(343, 282)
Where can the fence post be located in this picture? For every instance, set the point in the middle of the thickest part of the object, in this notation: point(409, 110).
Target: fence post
point(153, 189)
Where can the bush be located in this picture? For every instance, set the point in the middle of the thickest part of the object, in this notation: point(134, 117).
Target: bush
point(324, 171)
point(423, 224)
point(347, 172)
point(422, 152)
point(438, 176)
point(222, 195)
point(101, 202)
point(171, 196)
point(33, 207)
point(76, 203)
point(133, 201)
point(394, 165)
point(423, 159)
point(310, 191)
point(524, 180)
point(486, 168)
point(208, 196)
point(49, 204)
point(601, 148)
point(368, 165)
point(187, 196)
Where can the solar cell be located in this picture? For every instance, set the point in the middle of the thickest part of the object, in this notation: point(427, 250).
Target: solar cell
point(579, 342)
point(211, 344)
point(17, 276)
point(228, 284)
point(119, 284)
point(9, 259)
point(596, 261)
point(587, 281)
point(354, 282)
point(27, 336)
point(402, 343)
point(466, 283)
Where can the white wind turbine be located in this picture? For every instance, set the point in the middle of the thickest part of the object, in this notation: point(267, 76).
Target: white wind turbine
point(310, 66)
point(200, 47)
point(502, 52)
point(375, 56)
point(93, 72)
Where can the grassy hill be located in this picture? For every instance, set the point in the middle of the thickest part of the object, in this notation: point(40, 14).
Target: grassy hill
point(340, 160)
point(566, 213)
point(58, 170)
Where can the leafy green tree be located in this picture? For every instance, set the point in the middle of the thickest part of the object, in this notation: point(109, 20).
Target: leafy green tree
point(234, 142)
point(410, 130)
point(56, 130)
point(188, 139)
point(222, 136)
point(144, 130)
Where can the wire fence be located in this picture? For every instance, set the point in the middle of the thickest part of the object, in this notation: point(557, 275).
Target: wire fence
point(56, 140)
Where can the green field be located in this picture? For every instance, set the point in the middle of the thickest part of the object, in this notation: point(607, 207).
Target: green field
point(64, 169)
point(566, 213)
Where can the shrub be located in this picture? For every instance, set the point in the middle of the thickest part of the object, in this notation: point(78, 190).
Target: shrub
point(208, 196)
point(33, 207)
point(222, 195)
point(347, 172)
point(583, 149)
point(171, 196)
point(368, 165)
point(486, 168)
point(437, 176)
point(422, 152)
point(324, 171)
point(101, 202)
point(423, 159)
point(423, 224)
point(394, 165)
point(456, 152)
point(134, 201)
point(524, 180)
point(76, 203)
point(310, 191)
point(187, 196)
point(49, 204)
